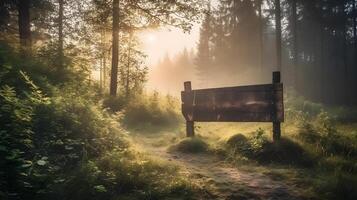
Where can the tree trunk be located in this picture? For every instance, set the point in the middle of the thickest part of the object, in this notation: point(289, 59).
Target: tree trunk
point(103, 60)
point(295, 48)
point(346, 75)
point(278, 34)
point(355, 30)
point(127, 90)
point(355, 37)
point(345, 62)
point(261, 37)
point(60, 33)
point(322, 63)
point(24, 24)
point(323, 68)
point(105, 72)
point(115, 50)
point(101, 74)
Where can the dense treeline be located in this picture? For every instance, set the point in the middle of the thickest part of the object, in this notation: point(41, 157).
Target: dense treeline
point(169, 73)
point(238, 39)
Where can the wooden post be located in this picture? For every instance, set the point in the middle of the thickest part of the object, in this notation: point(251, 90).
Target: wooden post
point(190, 128)
point(278, 34)
point(276, 123)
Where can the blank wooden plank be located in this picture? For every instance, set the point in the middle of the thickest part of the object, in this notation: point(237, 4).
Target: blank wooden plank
point(235, 104)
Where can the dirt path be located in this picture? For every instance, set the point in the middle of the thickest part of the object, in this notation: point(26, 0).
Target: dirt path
point(222, 180)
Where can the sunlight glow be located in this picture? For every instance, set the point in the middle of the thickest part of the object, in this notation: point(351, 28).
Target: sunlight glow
point(167, 40)
point(151, 38)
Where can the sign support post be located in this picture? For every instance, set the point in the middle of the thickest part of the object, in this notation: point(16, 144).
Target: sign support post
point(190, 130)
point(276, 123)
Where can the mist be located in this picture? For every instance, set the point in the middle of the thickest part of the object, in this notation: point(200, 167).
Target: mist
point(119, 99)
point(317, 57)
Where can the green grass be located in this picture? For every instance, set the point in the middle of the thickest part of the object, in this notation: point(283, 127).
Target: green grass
point(317, 152)
point(151, 112)
point(190, 145)
point(127, 175)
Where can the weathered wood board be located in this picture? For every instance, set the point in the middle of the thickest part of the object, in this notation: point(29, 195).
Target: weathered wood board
point(256, 103)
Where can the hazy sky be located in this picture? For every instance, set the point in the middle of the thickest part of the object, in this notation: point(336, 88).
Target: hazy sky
point(156, 43)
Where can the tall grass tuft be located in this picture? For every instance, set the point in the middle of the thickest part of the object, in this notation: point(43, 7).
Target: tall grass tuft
point(191, 145)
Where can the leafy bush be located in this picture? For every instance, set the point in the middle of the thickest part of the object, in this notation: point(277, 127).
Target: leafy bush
point(294, 102)
point(258, 147)
point(57, 142)
point(250, 146)
point(43, 138)
point(298, 107)
point(343, 114)
point(152, 111)
point(335, 156)
point(323, 133)
point(115, 104)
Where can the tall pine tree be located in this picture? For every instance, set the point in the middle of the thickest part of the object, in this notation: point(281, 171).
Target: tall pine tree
point(203, 59)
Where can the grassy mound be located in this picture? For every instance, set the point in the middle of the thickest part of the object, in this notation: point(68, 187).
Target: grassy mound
point(190, 145)
point(285, 151)
point(259, 148)
point(238, 140)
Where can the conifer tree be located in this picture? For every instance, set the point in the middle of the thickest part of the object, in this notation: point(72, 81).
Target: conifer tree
point(203, 58)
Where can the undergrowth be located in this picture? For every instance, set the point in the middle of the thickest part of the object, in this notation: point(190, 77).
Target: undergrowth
point(147, 110)
point(58, 142)
point(313, 143)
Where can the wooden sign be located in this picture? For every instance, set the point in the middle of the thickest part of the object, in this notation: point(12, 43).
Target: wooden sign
point(256, 103)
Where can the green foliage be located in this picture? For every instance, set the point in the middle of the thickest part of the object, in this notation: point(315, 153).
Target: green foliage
point(338, 186)
point(343, 114)
point(17, 147)
point(258, 147)
point(298, 107)
point(248, 146)
point(257, 141)
point(124, 174)
point(57, 142)
point(45, 137)
point(152, 111)
point(133, 73)
point(72, 67)
point(314, 143)
point(323, 134)
point(115, 103)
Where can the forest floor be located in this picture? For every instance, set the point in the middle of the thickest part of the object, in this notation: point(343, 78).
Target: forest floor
point(217, 177)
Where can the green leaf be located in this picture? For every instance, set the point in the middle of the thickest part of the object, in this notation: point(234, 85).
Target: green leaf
point(41, 162)
point(27, 164)
point(100, 188)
